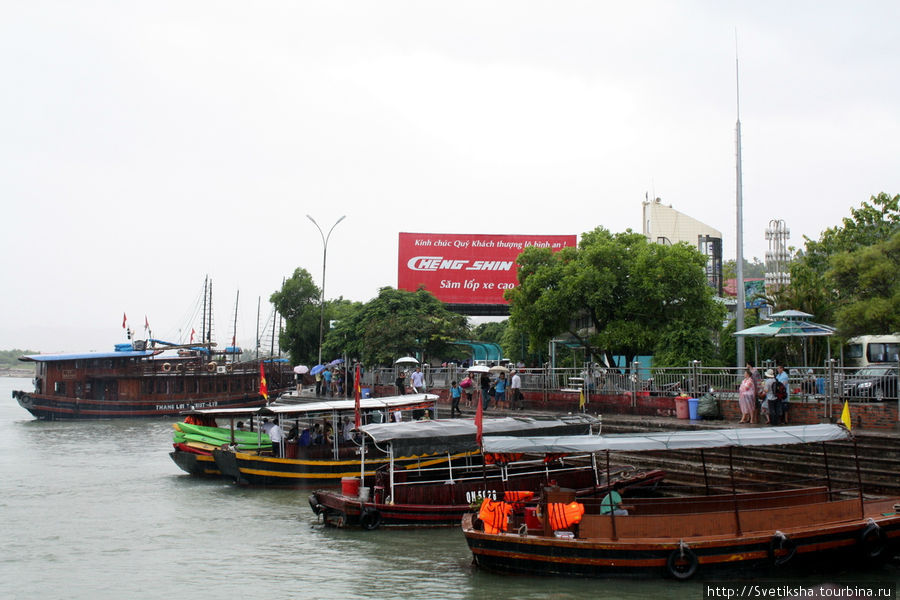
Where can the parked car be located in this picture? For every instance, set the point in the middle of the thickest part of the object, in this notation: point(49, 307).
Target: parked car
point(876, 382)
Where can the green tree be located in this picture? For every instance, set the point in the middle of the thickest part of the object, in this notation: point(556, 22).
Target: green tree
point(752, 270)
point(868, 288)
point(618, 294)
point(398, 323)
point(491, 331)
point(298, 303)
point(823, 281)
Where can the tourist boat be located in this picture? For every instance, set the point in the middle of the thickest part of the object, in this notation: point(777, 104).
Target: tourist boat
point(146, 378)
point(439, 496)
point(680, 537)
point(301, 462)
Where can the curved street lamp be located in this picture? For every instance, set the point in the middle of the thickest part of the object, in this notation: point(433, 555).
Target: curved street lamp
point(322, 296)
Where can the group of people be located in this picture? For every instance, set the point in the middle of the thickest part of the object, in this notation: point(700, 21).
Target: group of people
point(507, 394)
point(416, 382)
point(330, 382)
point(768, 397)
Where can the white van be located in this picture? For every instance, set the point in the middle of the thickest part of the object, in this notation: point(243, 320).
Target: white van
point(865, 350)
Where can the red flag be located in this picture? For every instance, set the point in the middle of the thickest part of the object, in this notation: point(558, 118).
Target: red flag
point(192, 336)
point(357, 393)
point(263, 388)
point(146, 323)
point(124, 320)
point(479, 413)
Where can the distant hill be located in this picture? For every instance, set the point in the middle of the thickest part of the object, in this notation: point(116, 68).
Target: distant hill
point(11, 365)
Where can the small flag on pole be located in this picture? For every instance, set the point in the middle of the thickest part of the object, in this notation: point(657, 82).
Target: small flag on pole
point(146, 323)
point(263, 388)
point(124, 320)
point(192, 336)
point(845, 416)
point(357, 393)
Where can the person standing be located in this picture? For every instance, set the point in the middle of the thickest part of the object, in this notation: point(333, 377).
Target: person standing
point(275, 436)
point(467, 385)
point(747, 398)
point(515, 391)
point(455, 395)
point(400, 382)
point(326, 384)
point(771, 403)
point(500, 391)
point(485, 388)
point(319, 383)
point(417, 381)
point(785, 379)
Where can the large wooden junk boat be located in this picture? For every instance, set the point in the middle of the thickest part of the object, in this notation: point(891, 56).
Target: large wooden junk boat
point(440, 495)
point(146, 378)
point(683, 536)
point(311, 457)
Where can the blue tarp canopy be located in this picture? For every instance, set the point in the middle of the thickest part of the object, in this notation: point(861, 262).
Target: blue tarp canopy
point(87, 356)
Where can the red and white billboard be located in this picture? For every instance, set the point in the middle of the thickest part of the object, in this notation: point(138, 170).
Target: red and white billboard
point(462, 268)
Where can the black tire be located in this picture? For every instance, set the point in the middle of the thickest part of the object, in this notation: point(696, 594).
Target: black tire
point(784, 543)
point(370, 519)
point(682, 563)
point(873, 543)
point(314, 505)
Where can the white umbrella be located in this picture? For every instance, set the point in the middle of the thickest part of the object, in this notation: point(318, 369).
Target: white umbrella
point(406, 360)
point(499, 369)
point(479, 369)
point(301, 369)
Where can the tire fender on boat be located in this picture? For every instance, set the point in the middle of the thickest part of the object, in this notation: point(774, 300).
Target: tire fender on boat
point(872, 541)
point(781, 541)
point(370, 519)
point(682, 562)
point(179, 368)
point(211, 366)
point(314, 505)
point(166, 367)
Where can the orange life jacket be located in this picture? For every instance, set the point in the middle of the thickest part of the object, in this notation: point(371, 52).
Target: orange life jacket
point(563, 516)
point(494, 514)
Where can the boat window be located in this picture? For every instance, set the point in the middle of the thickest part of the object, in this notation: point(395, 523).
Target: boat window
point(59, 387)
point(146, 386)
point(179, 385)
point(161, 385)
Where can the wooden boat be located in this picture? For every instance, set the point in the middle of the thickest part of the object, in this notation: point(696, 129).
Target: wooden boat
point(438, 496)
point(146, 378)
point(301, 462)
point(680, 537)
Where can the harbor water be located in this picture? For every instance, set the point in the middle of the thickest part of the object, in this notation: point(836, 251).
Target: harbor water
point(97, 509)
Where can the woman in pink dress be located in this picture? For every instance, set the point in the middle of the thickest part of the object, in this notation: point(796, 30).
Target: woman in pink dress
point(747, 398)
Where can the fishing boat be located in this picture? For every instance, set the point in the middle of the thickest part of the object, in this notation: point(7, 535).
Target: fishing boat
point(439, 496)
point(802, 526)
point(147, 378)
point(305, 458)
point(195, 439)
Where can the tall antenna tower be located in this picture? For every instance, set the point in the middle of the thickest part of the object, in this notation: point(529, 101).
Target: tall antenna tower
point(739, 239)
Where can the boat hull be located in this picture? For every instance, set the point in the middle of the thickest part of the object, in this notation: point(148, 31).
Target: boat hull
point(50, 407)
point(865, 540)
point(198, 465)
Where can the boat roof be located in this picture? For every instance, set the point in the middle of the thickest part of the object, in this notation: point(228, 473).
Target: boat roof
point(669, 440)
point(88, 355)
point(458, 435)
point(387, 402)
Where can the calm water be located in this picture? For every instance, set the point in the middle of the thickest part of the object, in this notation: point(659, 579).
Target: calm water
point(99, 510)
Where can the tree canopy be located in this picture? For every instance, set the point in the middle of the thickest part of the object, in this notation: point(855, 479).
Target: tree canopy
point(617, 294)
point(846, 277)
point(397, 323)
point(298, 303)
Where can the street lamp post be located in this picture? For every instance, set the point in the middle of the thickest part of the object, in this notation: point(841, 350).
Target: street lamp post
point(322, 296)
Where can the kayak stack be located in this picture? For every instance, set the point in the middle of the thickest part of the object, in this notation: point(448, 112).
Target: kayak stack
point(203, 440)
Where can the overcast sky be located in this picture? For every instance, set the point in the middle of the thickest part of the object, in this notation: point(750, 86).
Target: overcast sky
point(144, 145)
